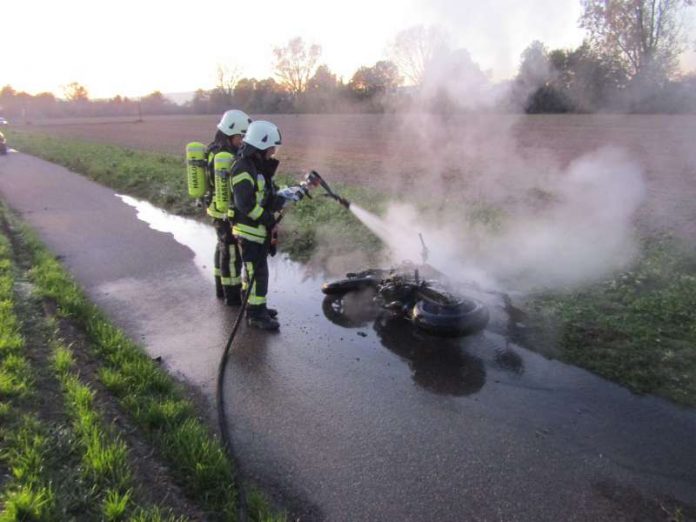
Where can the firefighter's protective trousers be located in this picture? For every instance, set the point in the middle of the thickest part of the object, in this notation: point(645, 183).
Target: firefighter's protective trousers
point(255, 257)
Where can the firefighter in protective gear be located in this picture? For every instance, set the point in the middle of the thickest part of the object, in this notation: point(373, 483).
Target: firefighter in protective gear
point(227, 262)
point(256, 201)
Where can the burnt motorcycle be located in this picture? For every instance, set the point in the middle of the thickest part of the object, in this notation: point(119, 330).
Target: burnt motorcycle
point(404, 292)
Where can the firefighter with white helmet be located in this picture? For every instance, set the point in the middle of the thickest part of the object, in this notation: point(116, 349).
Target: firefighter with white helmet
point(234, 122)
point(256, 201)
point(221, 154)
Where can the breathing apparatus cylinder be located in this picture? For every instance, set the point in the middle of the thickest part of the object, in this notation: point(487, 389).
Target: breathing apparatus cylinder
point(222, 165)
point(195, 169)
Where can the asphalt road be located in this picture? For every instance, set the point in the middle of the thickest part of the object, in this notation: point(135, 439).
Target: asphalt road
point(376, 421)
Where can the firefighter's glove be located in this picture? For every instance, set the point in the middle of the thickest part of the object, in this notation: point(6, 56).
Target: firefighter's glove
point(291, 194)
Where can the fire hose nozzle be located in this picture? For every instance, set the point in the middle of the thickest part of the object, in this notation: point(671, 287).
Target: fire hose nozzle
point(313, 179)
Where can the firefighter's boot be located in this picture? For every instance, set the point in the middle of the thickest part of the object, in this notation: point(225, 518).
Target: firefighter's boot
point(258, 317)
point(219, 292)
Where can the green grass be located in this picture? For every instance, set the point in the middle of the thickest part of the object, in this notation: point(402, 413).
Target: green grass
point(44, 482)
point(15, 374)
point(29, 496)
point(28, 503)
point(11, 341)
point(24, 446)
point(105, 461)
point(115, 505)
point(637, 328)
point(105, 456)
point(306, 224)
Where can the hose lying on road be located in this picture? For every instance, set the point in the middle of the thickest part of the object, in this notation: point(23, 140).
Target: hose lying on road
point(220, 395)
point(220, 399)
point(220, 388)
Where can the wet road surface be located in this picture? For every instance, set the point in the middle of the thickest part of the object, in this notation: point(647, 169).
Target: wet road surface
point(374, 421)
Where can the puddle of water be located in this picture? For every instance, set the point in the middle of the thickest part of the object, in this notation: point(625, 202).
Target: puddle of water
point(439, 365)
point(457, 366)
point(199, 237)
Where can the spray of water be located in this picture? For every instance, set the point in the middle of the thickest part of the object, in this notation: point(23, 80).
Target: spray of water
point(387, 232)
point(401, 231)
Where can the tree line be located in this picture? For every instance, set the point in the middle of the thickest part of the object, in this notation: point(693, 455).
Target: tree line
point(627, 63)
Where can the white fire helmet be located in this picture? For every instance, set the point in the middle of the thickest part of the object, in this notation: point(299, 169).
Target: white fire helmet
point(263, 135)
point(234, 122)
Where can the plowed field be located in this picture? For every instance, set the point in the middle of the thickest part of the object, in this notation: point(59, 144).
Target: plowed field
point(442, 155)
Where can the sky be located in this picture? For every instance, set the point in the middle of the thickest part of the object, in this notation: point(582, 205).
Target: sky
point(133, 48)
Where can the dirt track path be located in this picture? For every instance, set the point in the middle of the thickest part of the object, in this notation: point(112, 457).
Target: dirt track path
point(374, 422)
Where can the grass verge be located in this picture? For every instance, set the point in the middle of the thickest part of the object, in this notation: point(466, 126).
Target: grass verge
point(26, 494)
point(637, 328)
point(103, 452)
point(156, 404)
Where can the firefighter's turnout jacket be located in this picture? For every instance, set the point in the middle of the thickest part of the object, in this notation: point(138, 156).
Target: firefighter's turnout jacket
point(255, 202)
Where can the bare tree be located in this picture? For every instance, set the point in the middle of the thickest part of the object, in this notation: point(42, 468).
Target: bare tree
point(295, 64)
point(646, 35)
point(227, 78)
point(415, 48)
point(75, 92)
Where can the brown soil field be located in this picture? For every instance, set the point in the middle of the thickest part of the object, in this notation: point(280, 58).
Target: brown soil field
point(441, 154)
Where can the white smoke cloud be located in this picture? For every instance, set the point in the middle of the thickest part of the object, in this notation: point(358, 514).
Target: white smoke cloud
point(584, 232)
